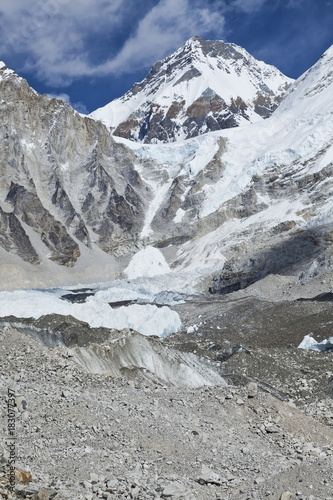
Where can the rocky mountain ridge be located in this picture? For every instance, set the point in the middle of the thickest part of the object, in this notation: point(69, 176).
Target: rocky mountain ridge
point(204, 86)
point(61, 197)
point(76, 203)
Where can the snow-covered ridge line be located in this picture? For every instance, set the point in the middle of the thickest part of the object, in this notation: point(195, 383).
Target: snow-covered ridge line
point(5, 72)
point(203, 86)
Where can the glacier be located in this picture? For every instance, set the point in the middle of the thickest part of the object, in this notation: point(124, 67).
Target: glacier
point(309, 343)
point(147, 319)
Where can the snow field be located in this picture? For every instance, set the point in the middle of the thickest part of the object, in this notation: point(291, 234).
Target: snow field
point(147, 262)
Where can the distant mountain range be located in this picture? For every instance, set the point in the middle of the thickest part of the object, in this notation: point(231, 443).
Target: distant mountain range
point(228, 186)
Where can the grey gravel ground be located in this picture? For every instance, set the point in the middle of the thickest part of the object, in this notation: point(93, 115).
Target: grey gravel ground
point(85, 436)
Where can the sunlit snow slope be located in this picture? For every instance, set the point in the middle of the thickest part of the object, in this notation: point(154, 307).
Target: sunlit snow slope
point(203, 86)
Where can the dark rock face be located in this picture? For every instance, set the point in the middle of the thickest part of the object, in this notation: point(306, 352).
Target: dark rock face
point(74, 220)
point(114, 217)
point(53, 234)
point(14, 239)
point(210, 112)
point(285, 258)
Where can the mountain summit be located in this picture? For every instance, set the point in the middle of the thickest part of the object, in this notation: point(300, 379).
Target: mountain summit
point(204, 86)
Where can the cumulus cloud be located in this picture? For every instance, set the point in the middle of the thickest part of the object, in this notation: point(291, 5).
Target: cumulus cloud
point(54, 37)
point(80, 107)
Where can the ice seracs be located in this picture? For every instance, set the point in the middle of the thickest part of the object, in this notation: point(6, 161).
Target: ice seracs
point(147, 319)
point(309, 343)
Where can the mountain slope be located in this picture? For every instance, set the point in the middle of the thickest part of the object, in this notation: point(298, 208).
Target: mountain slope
point(203, 86)
point(68, 192)
point(246, 201)
point(277, 194)
point(256, 199)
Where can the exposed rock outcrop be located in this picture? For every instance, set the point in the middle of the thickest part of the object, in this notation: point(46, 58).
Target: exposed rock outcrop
point(53, 234)
point(63, 176)
point(14, 239)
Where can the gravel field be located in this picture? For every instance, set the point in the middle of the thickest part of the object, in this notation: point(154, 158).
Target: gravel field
point(84, 435)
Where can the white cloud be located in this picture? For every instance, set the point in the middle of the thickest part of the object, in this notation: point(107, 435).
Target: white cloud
point(54, 36)
point(80, 107)
point(163, 29)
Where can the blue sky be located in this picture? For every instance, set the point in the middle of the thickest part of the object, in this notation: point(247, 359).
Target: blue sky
point(89, 52)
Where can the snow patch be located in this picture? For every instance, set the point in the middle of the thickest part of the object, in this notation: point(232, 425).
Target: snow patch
point(202, 254)
point(179, 215)
point(147, 262)
point(64, 166)
point(326, 160)
point(29, 146)
point(161, 192)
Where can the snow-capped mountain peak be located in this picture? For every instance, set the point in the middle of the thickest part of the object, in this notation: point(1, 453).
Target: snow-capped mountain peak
point(203, 86)
point(4, 71)
point(313, 82)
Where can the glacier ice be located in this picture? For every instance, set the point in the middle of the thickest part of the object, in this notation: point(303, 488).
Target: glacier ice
point(147, 319)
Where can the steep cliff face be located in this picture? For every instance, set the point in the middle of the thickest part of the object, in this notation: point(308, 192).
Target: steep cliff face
point(64, 182)
point(204, 86)
point(13, 238)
